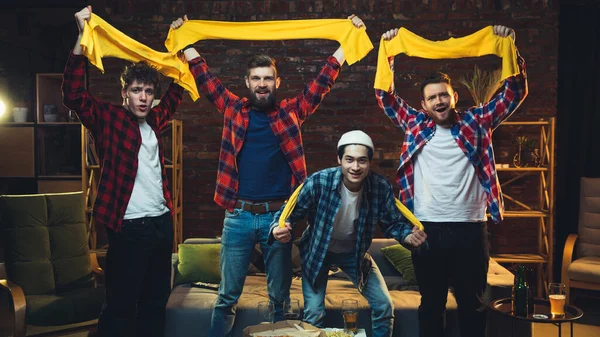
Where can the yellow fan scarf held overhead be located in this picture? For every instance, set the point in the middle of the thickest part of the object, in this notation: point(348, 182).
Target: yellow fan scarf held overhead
point(354, 41)
point(480, 43)
point(289, 207)
point(100, 39)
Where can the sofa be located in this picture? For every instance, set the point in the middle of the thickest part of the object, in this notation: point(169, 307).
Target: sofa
point(190, 307)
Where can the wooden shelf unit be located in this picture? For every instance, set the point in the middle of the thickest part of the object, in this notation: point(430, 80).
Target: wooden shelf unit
point(173, 151)
point(543, 212)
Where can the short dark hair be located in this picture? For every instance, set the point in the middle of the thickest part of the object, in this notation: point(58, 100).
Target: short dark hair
point(342, 148)
point(142, 72)
point(437, 77)
point(261, 60)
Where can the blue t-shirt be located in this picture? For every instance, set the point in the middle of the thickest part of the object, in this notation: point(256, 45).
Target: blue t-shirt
point(264, 172)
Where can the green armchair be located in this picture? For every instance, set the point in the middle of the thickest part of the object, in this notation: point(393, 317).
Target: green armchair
point(48, 277)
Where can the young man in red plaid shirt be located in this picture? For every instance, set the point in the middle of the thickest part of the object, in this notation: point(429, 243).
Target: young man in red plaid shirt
point(133, 199)
point(261, 160)
point(447, 177)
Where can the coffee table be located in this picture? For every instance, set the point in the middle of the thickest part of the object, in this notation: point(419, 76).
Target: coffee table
point(541, 309)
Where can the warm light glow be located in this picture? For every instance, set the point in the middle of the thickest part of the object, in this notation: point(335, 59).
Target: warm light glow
point(2, 107)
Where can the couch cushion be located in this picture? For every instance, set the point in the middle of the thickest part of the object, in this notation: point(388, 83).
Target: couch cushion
point(586, 269)
point(198, 263)
point(401, 258)
point(27, 242)
point(74, 306)
point(68, 242)
point(46, 242)
point(385, 266)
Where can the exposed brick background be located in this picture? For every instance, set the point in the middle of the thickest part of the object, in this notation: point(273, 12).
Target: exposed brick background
point(351, 104)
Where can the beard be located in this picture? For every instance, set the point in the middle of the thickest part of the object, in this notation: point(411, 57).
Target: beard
point(262, 104)
point(445, 122)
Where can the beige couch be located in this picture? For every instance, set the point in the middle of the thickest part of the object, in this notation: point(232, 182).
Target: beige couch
point(189, 308)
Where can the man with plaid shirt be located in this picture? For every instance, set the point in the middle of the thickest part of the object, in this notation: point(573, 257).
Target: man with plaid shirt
point(261, 160)
point(343, 205)
point(133, 199)
point(447, 177)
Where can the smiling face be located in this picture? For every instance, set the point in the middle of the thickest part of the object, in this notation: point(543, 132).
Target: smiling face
point(262, 83)
point(439, 100)
point(355, 166)
point(138, 97)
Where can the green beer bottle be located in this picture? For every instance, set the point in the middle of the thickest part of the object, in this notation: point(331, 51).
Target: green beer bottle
point(520, 294)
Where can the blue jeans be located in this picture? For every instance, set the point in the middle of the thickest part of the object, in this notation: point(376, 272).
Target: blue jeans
point(241, 231)
point(375, 291)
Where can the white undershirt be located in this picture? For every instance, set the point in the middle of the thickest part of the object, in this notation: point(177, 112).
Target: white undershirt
point(343, 236)
point(147, 198)
point(446, 186)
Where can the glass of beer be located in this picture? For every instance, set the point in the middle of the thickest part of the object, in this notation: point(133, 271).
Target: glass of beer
point(291, 309)
point(350, 313)
point(266, 312)
point(556, 294)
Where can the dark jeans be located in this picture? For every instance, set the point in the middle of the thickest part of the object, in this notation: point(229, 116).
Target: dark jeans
point(137, 278)
point(458, 256)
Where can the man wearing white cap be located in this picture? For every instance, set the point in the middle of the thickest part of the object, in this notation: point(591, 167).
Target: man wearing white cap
point(342, 205)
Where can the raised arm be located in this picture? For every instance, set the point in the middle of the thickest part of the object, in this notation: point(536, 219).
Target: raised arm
point(207, 83)
point(169, 103)
point(397, 110)
point(514, 91)
point(75, 97)
point(339, 53)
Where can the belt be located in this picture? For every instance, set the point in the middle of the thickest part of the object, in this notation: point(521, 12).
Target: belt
point(259, 207)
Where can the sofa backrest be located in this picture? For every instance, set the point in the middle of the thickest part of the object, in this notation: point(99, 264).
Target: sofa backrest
point(589, 218)
point(45, 242)
point(385, 266)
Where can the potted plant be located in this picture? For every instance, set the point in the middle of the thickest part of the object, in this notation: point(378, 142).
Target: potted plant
point(482, 85)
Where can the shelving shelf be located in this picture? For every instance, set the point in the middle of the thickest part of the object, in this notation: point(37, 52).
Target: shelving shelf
point(543, 212)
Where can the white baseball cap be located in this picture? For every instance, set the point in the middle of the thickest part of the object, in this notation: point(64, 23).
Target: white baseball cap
point(356, 137)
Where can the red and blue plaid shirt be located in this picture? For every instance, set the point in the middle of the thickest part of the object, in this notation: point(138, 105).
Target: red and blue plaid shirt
point(472, 131)
point(117, 139)
point(285, 120)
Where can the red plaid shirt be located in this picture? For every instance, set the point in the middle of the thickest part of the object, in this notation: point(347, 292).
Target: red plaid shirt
point(472, 131)
point(285, 121)
point(117, 139)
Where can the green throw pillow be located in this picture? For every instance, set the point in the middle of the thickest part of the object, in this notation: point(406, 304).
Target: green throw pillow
point(400, 257)
point(198, 263)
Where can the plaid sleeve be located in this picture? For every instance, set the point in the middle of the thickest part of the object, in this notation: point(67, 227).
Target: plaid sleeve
point(393, 224)
point(314, 92)
point(169, 103)
point(502, 106)
point(209, 85)
point(397, 110)
point(77, 98)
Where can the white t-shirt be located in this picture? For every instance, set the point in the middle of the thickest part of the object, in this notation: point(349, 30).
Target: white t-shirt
point(147, 198)
point(343, 236)
point(446, 186)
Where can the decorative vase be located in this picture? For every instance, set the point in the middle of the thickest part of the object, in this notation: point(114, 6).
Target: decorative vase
point(50, 113)
point(20, 114)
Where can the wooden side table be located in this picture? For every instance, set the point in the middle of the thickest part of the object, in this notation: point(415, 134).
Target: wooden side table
point(541, 313)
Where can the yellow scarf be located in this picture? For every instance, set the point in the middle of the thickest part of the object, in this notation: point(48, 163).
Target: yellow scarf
point(291, 203)
point(354, 41)
point(100, 39)
point(482, 42)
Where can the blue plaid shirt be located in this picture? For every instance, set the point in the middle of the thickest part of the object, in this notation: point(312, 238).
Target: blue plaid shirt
point(320, 200)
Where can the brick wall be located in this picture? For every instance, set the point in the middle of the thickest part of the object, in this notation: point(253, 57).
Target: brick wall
point(351, 103)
